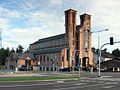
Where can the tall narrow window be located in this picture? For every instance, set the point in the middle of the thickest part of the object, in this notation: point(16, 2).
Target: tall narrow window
point(67, 18)
point(73, 18)
point(67, 54)
point(41, 58)
point(44, 58)
point(86, 40)
point(62, 58)
point(47, 59)
point(73, 32)
point(73, 21)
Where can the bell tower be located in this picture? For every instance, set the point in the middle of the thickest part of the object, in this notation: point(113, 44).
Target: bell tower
point(70, 31)
point(86, 30)
point(86, 53)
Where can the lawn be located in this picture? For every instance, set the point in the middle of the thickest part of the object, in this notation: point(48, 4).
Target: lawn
point(31, 79)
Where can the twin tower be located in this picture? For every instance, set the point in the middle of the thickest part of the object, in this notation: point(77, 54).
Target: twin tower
point(79, 38)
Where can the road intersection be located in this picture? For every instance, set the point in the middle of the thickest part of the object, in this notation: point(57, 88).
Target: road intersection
point(89, 81)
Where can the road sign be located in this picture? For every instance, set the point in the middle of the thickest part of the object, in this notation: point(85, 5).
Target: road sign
point(113, 65)
point(78, 64)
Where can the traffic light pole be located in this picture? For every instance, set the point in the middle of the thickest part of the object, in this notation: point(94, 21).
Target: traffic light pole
point(100, 56)
point(111, 43)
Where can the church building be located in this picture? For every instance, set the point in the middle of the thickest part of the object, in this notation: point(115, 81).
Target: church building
point(67, 50)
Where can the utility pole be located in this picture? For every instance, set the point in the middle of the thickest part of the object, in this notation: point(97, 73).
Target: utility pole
point(99, 51)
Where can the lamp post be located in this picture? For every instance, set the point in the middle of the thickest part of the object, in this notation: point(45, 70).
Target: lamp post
point(74, 60)
point(99, 52)
point(17, 62)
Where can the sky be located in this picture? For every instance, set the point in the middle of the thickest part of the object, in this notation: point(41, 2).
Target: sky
point(25, 21)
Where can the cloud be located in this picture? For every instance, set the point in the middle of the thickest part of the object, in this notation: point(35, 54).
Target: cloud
point(37, 24)
point(6, 13)
point(55, 2)
point(43, 18)
point(25, 36)
point(48, 22)
point(49, 25)
point(4, 23)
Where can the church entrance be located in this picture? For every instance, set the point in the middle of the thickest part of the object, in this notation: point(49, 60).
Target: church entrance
point(85, 62)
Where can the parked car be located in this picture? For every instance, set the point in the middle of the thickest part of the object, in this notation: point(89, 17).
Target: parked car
point(103, 70)
point(23, 68)
point(65, 69)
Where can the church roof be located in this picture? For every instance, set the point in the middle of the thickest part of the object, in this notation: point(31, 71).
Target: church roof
point(49, 50)
point(50, 38)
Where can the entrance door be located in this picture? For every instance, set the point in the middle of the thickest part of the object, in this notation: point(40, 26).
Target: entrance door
point(85, 61)
point(27, 62)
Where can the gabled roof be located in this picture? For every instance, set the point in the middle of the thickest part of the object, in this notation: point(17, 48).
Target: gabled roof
point(70, 10)
point(106, 55)
point(25, 55)
point(21, 56)
point(111, 63)
point(50, 38)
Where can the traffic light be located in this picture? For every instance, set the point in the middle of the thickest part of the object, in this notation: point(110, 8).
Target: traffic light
point(111, 41)
point(53, 62)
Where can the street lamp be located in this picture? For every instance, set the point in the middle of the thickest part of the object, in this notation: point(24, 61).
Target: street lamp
point(99, 47)
point(78, 62)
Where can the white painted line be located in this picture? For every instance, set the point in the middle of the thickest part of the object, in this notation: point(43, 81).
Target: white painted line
point(27, 85)
point(111, 86)
point(60, 81)
point(70, 84)
point(76, 87)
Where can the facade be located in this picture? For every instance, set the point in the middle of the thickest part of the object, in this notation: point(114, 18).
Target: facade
point(20, 59)
point(69, 49)
point(104, 57)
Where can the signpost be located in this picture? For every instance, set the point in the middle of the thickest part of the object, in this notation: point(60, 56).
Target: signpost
point(79, 68)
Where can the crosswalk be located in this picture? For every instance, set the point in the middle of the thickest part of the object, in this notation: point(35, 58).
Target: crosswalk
point(83, 84)
point(89, 84)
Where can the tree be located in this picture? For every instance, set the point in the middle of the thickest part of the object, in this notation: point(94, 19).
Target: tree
point(26, 51)
point(7, 51)
point(116, 53)
point(104, 50)
point(19, 49)
point(93, 49)
point(4, 53)
point(12, 50)
point(96, 50)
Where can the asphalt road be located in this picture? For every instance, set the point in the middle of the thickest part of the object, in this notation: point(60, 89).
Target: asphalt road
point(81, 84)
point(109, 81)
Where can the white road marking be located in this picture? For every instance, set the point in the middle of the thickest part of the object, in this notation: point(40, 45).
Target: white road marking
point(111, 86)
point(38, 84)
point(60, 81)
point(27, 85)
point(70, 84)
point(79, 83)
point(76, 87)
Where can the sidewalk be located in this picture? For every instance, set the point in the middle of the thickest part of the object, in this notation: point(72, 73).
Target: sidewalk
point(12, 74)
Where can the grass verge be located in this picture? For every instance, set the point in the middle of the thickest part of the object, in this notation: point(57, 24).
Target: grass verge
point(29, 79)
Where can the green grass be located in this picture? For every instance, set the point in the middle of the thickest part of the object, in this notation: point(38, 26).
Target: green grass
point(28, 79)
